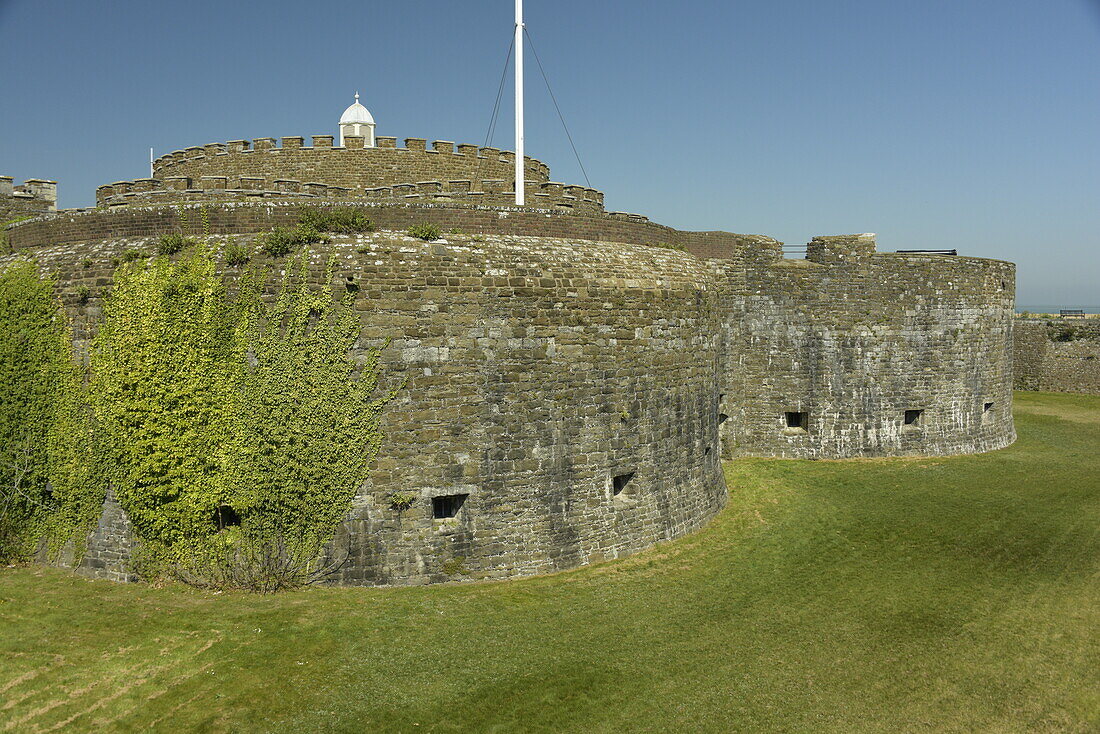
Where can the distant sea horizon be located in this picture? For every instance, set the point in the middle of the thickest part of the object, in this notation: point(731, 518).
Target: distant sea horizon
point(1020, 308)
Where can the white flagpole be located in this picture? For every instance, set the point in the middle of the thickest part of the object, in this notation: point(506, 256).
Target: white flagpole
point(519, 105)
point(150, 163)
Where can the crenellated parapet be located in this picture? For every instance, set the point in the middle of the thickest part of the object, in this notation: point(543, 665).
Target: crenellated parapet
point(351, 166)
point(145, 191)
point(538, 194)
point(492, 192)
point(34, 196)
point(838, 248)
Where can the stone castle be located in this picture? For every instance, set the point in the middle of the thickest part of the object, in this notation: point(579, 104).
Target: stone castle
point(573, 376)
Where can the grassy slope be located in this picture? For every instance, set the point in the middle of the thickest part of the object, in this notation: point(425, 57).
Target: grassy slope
point(902, 595)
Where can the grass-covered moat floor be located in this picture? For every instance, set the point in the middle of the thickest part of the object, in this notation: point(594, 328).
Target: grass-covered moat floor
point(958, 594)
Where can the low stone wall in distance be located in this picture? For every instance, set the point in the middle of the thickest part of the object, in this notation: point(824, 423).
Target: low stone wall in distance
point(1057, 355)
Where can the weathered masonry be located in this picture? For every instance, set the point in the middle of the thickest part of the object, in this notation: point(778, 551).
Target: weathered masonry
point(572, 378)
point(33, 197)
point(852, 352)
point(1057, 355)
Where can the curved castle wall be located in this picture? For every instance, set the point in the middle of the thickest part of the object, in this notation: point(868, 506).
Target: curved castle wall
point(244, 217)
point(251, 215)
point(353, 166)
point(539, 195)
point(565, 387)
point(849, 340)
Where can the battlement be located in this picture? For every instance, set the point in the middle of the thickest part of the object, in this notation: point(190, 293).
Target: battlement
point(495, 192)
point(351, 142)
point(840, 247)
point(352, 165)
point(181, 188)
point(33, 196)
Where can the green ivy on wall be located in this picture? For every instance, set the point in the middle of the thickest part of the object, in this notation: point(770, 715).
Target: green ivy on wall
point(49, 485)
point(159, 392)
point(235, 426)
point(229, 420)
point(305, 418)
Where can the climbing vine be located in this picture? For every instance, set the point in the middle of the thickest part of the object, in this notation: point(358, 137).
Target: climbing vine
point(229, 421)
point(159, 392)
point(235, 427)
point(49, 485)
point(305, 417)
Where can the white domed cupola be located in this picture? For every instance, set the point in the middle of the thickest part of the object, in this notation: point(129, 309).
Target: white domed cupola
point(357, 120)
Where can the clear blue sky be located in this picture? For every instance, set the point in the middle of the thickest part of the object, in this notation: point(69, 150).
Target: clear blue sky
point(972, 124)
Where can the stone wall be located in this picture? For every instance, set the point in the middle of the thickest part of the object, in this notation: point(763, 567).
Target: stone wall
point(1057, 355)
point(538, 371)
point(1029, 348)
point(553, 359)
point(848, 340)
point(76, 226)
point(539, 195)
point(110, 545)
point(108, 548)
point(352, 166)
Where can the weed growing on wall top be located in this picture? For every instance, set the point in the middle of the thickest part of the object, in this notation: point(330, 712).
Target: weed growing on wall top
point(426, 232)
point(1063, 333)
point(282, 241)
point(339, 220)
point(173, 242)
point(235, 254)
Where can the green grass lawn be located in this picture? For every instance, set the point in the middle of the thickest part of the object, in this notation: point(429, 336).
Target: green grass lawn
point(958, 594)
